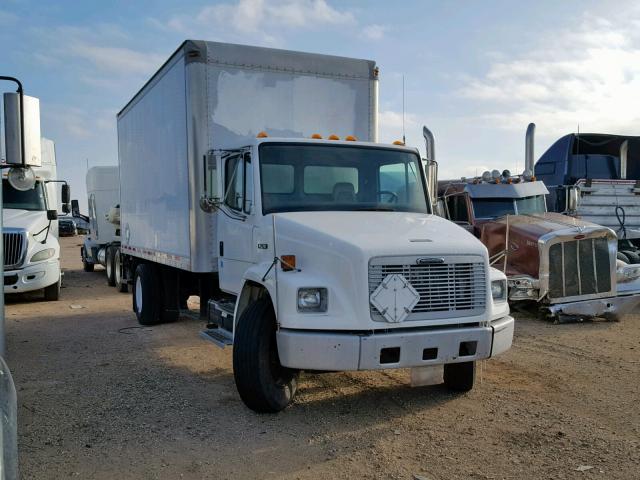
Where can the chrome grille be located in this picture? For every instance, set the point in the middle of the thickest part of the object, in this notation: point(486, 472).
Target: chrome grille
point(445, 289)
point(579, 267)
point(14, 248)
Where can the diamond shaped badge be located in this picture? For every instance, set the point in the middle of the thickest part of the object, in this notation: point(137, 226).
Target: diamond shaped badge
point(394, 298)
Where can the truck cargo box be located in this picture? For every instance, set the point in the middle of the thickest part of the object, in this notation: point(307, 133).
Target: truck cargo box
point(219, 96)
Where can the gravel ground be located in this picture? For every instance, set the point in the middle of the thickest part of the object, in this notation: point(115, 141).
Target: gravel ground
point(101, 398)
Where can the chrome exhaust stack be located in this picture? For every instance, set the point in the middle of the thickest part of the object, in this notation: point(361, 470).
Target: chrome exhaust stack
point(431, 166)
point(624, 153)
point(529, 148)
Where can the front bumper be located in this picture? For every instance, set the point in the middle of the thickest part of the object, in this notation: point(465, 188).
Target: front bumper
point(331, 351)
point(33, 277)
point(612, 308)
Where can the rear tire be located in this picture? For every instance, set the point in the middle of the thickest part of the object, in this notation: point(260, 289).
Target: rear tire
point(117, 272)
point(460, 377)
point(52, 292)
point(108, 263)
point(264, 385)
point(145, 298)
point(86, 266)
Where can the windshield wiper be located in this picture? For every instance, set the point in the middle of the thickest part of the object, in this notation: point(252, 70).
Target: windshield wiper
point(375, 209)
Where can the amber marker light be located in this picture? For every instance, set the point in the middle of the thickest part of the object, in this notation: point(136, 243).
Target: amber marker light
point(350, 138)
point(333, 137)
point(262, 134)
point(288, 263)
point(398, 142)
point(316, 136)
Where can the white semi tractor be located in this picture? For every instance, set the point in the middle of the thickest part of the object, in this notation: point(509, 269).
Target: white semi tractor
point(252, 177)
point(102, 244)
point(30, 226)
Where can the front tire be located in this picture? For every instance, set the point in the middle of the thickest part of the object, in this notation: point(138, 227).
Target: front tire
point(52, 292)
point(460, 377)
point(86, 266)
point(117, 272)
point(145, 299)
point(108, 264)
point(264, 385)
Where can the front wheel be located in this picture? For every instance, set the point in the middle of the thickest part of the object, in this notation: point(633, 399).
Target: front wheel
point(108, 265)
point(52, 292)
point(117, 272)
point(264, 385)
point(460, 377)
point(86, 266)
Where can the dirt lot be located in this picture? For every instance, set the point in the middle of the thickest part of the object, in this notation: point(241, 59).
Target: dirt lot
point(101, 398)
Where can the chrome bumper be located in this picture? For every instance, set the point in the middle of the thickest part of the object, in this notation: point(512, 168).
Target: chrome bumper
point(334, 351)
point(612, 308)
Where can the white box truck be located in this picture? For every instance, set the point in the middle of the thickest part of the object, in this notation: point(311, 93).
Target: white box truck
point(102, 244)
point(252, 178)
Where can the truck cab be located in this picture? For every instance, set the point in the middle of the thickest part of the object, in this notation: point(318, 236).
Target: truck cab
point(30, 230)
point(567, 265)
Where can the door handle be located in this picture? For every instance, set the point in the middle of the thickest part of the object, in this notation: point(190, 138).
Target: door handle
point(221, 249)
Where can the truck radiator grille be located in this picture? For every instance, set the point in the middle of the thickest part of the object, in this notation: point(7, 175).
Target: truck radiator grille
point(579, 267)
point(452, 289)
point(14, 249)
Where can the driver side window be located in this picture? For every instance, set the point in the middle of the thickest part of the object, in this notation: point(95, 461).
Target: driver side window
point(457, 208)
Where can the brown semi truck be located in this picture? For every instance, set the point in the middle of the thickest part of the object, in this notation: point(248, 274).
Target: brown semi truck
point(565, 264)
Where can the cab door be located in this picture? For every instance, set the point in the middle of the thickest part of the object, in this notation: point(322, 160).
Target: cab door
point(236, 222)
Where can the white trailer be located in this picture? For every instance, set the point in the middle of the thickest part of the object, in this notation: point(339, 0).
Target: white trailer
point(102, 244)
point(252, 178)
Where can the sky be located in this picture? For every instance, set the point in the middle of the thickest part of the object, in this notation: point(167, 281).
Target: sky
point(476, 73)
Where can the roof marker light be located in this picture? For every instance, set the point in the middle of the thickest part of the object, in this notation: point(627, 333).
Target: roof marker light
point(262, 134)
point(350, 138)
point(316, 136)
point(333, 137)
point(398, 142)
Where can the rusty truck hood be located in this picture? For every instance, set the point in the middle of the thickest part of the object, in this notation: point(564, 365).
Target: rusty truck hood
point(525, 234)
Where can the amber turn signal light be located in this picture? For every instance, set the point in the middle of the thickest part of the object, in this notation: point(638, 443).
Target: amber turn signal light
point(288, 263)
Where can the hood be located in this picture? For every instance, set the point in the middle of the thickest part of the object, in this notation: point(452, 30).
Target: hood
point(379, 233)
point(32, 221)
point(525, 234)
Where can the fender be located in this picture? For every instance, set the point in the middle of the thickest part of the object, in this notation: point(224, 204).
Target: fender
point(252, 284)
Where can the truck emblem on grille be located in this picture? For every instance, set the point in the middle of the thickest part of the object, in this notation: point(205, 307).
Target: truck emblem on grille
point(429, 260)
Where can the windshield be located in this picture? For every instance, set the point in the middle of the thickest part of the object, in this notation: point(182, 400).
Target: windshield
point(304, 177)
point(29, 200)
point(499, 207)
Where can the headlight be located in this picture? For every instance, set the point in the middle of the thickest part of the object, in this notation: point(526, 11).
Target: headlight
point(626, 273)
point(312, 299)
point(45, 254)
point(499, 290)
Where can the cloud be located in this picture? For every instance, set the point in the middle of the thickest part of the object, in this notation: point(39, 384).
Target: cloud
point(589, 75)
point(374, 31)
point(258, 20)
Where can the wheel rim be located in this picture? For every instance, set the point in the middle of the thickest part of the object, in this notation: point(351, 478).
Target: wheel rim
point(116, 260)
point(138, 294)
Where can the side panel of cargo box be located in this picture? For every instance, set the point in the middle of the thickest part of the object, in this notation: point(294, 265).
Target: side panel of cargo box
point(153, 152)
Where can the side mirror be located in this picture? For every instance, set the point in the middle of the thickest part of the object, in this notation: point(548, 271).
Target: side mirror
point(573, 198)
point(66, 193)
point(14, 134)
point(75, 208)
point(52, 214)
